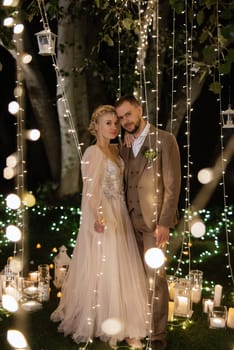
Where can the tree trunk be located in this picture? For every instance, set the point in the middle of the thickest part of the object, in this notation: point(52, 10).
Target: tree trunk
point(71, 54)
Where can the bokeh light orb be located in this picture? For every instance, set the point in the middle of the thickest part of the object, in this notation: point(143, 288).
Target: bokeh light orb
point(16, 265)
point(16, 339)
point(9, 303)
point(13, 107)
point(29, 199)
point(112, 326)
point(18, 28)
point(205, 175)
point(33, 134)
point(13, 201)
point(198, 228)
point(154, 258)
point(13, 233)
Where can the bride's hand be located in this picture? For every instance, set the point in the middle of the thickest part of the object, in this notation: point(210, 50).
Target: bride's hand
point(128, 139)
point(99, 226)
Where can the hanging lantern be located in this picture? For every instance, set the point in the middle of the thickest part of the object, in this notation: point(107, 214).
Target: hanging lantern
point(61, 262)
point(46, 42)
point(228, 118)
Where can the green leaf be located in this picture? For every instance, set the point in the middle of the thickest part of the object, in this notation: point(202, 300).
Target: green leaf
point(215, 87)
point(108, 40)
point(200, 17)
point(127, 23)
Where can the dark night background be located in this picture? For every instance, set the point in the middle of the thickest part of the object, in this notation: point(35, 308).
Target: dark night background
point(205, 134)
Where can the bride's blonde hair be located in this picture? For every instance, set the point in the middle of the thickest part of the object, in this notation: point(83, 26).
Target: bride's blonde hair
point(98, 112)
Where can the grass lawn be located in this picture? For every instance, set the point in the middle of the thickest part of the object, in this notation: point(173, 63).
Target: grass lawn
point(41, 333)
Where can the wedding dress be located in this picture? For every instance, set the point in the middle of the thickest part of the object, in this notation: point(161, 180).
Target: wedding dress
point(106, 280)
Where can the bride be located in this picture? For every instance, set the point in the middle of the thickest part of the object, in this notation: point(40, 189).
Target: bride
point(106, 279)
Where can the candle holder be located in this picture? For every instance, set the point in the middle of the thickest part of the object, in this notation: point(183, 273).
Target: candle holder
point(61, 264)
point(171, 281)
point(196, 279)
point(182, 298)
point(43, 282)
point(46, 42)
point(208, 305)
point(218, 317)
point(230, 317)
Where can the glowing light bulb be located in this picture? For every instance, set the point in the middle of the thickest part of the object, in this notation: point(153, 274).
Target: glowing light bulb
point(8, 173)
point(18, 91)
point(198, 228)
point(29, 199)
point(205, 175)
point(12, 160)
point(12, 3)
point(13, 233)
point(8, 22)
point(18, 28)
point(9, 303)
point(112, 326)
point(33, 134)
point(16, 339)
point(26, 58)
point(13, 201)
point(154, 257)
point(13, 107)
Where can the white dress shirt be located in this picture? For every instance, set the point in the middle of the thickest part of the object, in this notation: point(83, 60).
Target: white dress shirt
point(138, 142)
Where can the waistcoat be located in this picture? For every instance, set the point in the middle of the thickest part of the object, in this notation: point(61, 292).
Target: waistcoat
point(132, 183)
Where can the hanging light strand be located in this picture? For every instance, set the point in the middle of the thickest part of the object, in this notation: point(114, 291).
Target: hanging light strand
point(60, 81)
point(223, 159)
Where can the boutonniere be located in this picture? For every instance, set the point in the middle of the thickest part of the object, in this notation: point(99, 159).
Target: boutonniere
point(150, 154)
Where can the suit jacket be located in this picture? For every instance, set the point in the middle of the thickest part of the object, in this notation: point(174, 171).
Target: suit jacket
point(158, 184)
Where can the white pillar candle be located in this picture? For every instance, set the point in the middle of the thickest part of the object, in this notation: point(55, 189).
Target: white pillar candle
point(33, 276)
point(196, 294)
point(207, 305)
point(182, 306)
point(230, 318)
point(171, 311)
point(217, 294)
point(171, 290)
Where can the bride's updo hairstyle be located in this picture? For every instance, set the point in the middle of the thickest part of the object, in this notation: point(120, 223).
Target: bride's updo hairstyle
point(98, 112)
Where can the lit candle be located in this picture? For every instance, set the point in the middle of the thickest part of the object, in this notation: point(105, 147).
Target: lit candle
point(171, 311)
point(230, 319)
point(31, 305)
point(217, 322)
point(196, 294)
point(217, 294)
point(31, 290)
point(182, 305)
point(33, 276)
point(171, 290)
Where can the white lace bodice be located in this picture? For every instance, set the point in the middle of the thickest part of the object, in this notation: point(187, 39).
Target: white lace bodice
point(113, 180)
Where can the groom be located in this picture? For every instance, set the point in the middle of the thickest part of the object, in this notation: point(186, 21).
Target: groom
point(152, 181)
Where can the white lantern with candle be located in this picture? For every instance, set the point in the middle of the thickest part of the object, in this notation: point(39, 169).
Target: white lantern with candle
point(46, 42)
point(61, 262)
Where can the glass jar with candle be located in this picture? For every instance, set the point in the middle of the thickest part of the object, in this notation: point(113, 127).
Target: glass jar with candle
point(171, 281)
point(196, 280)
point(182, 298)
point(218, 317)
point(43, 282)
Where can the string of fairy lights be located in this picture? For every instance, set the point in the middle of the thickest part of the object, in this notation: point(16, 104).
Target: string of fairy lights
point(150, 20)
point(223, 183)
